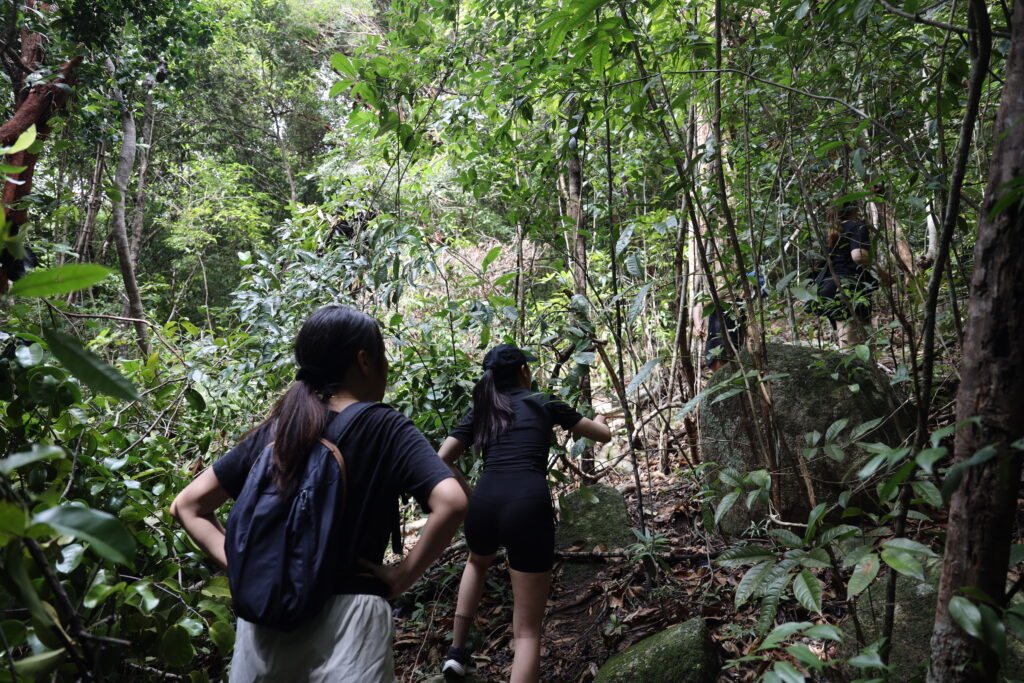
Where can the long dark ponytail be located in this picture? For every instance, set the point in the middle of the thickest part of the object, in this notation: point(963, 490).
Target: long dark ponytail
point(492, 410)
point(325, 347)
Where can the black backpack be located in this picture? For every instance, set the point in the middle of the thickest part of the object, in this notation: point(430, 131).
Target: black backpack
point(284, 553)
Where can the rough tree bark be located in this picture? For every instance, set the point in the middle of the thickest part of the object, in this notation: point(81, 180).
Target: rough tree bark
point(32, 106)
point(982, 510)
point(119, 230)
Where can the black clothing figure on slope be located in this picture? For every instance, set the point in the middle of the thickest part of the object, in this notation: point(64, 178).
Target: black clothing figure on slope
point(844, 283)
point(341, 362)
point(511, 505)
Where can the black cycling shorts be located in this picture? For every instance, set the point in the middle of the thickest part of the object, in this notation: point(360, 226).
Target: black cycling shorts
point(513, 510)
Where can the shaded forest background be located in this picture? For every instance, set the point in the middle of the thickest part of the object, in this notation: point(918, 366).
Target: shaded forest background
point(187, 179)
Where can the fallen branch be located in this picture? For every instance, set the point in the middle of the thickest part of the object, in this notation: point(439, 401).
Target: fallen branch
point(595, 555)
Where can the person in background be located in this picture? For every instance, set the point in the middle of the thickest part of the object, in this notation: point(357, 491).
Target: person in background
point(511, 506)
point(341, 362)
point(845, 283)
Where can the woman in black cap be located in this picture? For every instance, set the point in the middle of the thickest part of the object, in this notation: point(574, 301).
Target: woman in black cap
point(342, 367)
point(511, 507)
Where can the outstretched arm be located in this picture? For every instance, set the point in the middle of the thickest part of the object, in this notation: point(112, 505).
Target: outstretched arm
point(195, 509)
point(596, 429)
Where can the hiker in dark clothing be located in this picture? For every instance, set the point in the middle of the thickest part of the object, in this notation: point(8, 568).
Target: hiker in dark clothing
point(341, 366)
point(844, 283)
point(511, 505)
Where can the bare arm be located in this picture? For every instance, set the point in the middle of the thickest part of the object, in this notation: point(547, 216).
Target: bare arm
point(596, 429)
point(862, 257)
point(195, 509)
point(449, 453)
point(447, 510)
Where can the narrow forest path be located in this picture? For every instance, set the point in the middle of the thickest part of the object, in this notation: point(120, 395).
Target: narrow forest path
point(589, 622)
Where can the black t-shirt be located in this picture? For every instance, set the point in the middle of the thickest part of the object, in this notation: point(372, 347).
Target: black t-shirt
point(525, 445)
point(385, 456)
point(852, 235)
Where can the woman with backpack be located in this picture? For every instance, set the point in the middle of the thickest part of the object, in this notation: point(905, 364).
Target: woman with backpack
point(378, 454)
point(511, 506)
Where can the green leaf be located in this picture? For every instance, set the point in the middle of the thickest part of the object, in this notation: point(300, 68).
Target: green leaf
point(835, 428)
point(489, 259)
point(863, 574)
point(862, 352)
point(7, 168)
point(787, 538)
point(912, 547)
point(29, 356)
point(587, 494)
point(904, 563)
point(788, 673)
point(223, 636)
point(343, 64)
point(36, 667)
point(836, 533)
point(88, 368)
point(195, 399)
point(744, 554)
point(1016, 554)
point(176, 647)
point(751, 581)
point(728, 500)
point(38, 452)
point(642, 375)
point(61, 280)
point(824, 632)
point(927, 458)
point(966, 615)
point(70, 558)
point(23, 142)
point(624, 237)
point(803, 654)
point(782, 632)
point(807, 591)
point(105, 533)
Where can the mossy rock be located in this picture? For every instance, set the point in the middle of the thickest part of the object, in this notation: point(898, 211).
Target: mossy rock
point(813, 388)
point(684, 653)
point(913, 620)
point(593, 516)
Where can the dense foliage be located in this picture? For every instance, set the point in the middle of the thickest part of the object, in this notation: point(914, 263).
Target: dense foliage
point(575, 176)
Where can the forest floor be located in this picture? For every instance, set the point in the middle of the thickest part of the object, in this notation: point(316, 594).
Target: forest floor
point(588, 623)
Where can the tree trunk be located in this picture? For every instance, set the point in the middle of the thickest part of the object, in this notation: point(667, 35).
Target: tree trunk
point(93, 203)
point(139, 210)
point(119, 230)
point(983, 508)
point(32, 106)
point(574, 207)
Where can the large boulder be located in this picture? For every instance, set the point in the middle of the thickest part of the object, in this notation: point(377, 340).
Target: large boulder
point(913, 620)
point(684, 653)
point(591, 517)
point(810, 390)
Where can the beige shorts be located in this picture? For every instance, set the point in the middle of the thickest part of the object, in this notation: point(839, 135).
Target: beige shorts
point(348, 642)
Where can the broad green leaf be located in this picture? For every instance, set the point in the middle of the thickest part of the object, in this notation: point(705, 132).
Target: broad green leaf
point(927, 458)
point(38, 452)
point(70, 558)
point(728, 500)
point(23, 142)
point(489, 258)
point(807, 591)
point(176, 647)
point(803, 654)
point(824, 632)
point(835, 428)
point(787, 538)
point(782, 632)
point(105, 533)
point(624, 238)
point(787, 672)
point(13, 518)
point(223, 636)
point(587, 494)
point(744, 554)
point(195, 399)
point(904, 563)
point(60, 280)
point(751, 581)
point(343, 64)
point(193, 626)
point(36, 667)
point(835, 533)
point(928, 492)
point(88, 368)
point(29, 356)
point(863, 574)
point(966, 615)
point(637, 306)
point(909, 546)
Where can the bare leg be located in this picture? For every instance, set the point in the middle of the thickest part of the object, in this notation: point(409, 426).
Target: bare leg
point(471, 589)
point(530, 592)
point(852, 332)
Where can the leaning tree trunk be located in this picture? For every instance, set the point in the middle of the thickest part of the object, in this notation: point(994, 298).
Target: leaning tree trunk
point(119, 230)
point(983, 508)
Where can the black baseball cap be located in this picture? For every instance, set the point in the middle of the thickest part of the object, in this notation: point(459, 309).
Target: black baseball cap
point(505, 356)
